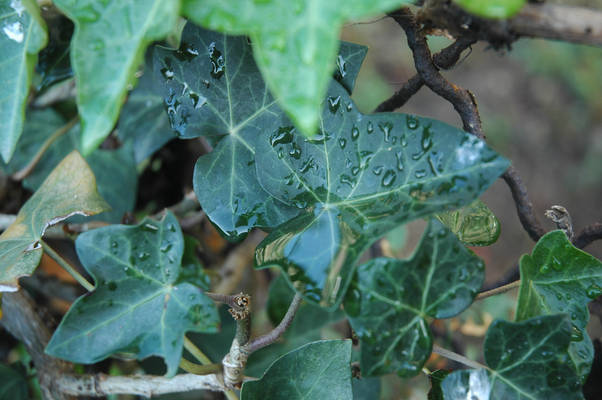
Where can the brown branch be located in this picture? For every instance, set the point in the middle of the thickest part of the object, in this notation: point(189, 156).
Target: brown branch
point(445, 59)
point(275, 333)
point(20, 318)
point(589, 234)
point(546, 21)
point(462, 100)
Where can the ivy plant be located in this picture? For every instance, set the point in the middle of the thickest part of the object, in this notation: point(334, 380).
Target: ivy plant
point(202, 153)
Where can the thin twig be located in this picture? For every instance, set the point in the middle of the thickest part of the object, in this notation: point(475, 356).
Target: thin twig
point(445, 59)
point(65, 265)
point(25, 171)
point(462, 100)
point(458, 358)
point(275, 333)
point(497, 290)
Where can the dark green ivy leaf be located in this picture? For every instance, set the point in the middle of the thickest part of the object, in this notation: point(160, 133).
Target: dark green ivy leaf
point(13, 383)
point(436, 378)
point(138, 305)
point(389, 300)
point(526, 360)
point(558, 277)
point(318, 370)
point(362, 176)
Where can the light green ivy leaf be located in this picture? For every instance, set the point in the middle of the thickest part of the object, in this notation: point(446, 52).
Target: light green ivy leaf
point(138, 304)
point(70, 189)
point(474, 224)
point(107, 47)
point(294, 43)
point(558, 277)
point(492, 8)
point(389, 300)
point(22, 36)
point(525, 360)
point(318, 370)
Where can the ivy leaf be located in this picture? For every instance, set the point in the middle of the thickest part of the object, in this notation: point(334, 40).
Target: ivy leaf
point(389, 300)
point(14, 383)
point(297, 39)
point(526, 360)
point(115, 170)
point(558, 277)
point(137, 305)
point(318, 370)
point(436, 378)
point(361, 177)
point(54, 64)
point(70, 189)
point(143, 121)
point(23, 36)
point(474, 224)
point(103, 66)
point(349, 61)
point(492, 8)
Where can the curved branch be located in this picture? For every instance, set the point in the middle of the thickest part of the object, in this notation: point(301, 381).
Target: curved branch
point(589, 234)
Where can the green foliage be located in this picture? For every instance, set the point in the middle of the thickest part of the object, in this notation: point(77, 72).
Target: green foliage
point(295, 39)
point(389, 301)
point(306, 374)
point(492, 8)
point(557, 277)
point(14, 383)
point(474, 224)
point(525, 360)
point(104, 66)
point(139, 304)
point(23, 36)
point(53, 202)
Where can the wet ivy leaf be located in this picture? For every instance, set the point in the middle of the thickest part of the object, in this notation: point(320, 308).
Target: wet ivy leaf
point(54, 64)
point(558, 277)
point(474, 224)
point(348, 63)
point(310, 324)
point(137, 306)
point(297, 39)
point(143, 121)
point(115, 170)
point(23, 35)
point(366, 388)
point(103, 66)
point(14, 382)
point(70, 189)
point(318, 370)
point(357, 180)
point(492, 8)
point(526, 360)
point(389, 300)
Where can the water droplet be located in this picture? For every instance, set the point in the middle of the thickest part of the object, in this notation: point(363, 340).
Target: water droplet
point(365, 157)
point(385, 128)
point(318, 138)
point(284, 135)
point(307, 165)
point(150, 228)
point(555, 379)
point(341, 70)
point(420, 173)
point(378, 170)
point(186, 52)
point(355, 170)
point(346, 179)
point(114, 244)
point(412, 122)
point(167, 73)
point(593, 291)
point(349, 106)
point(544, 269)
point(197, 101)
point(295, 152)
point(388, 178)
point(143, 255)
point(171, 227)
point(370, 128)
point(355, 132)
point(399, 156)
point(576, 334)
point(217, 61)
point(334, 103)
point(166, 247)
point(342, 142)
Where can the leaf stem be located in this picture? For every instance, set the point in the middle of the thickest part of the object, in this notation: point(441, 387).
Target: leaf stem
point(457, 358)
point(67, 267)
point(196, 352)
point(197, 369)
point(25, 171)
point(498, 290)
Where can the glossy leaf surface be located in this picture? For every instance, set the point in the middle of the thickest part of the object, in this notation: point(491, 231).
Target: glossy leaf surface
point(104, 64)
point(14, 383)
point(361, 177)
point(527, 360)
point(69, 190)
point(295, 43)
point(557, 277)
point(389, 300)
point(115, 170)
point(137, 305)
point(474, 224)
point(318, 370)
point(22, 36)
point(492, 8)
